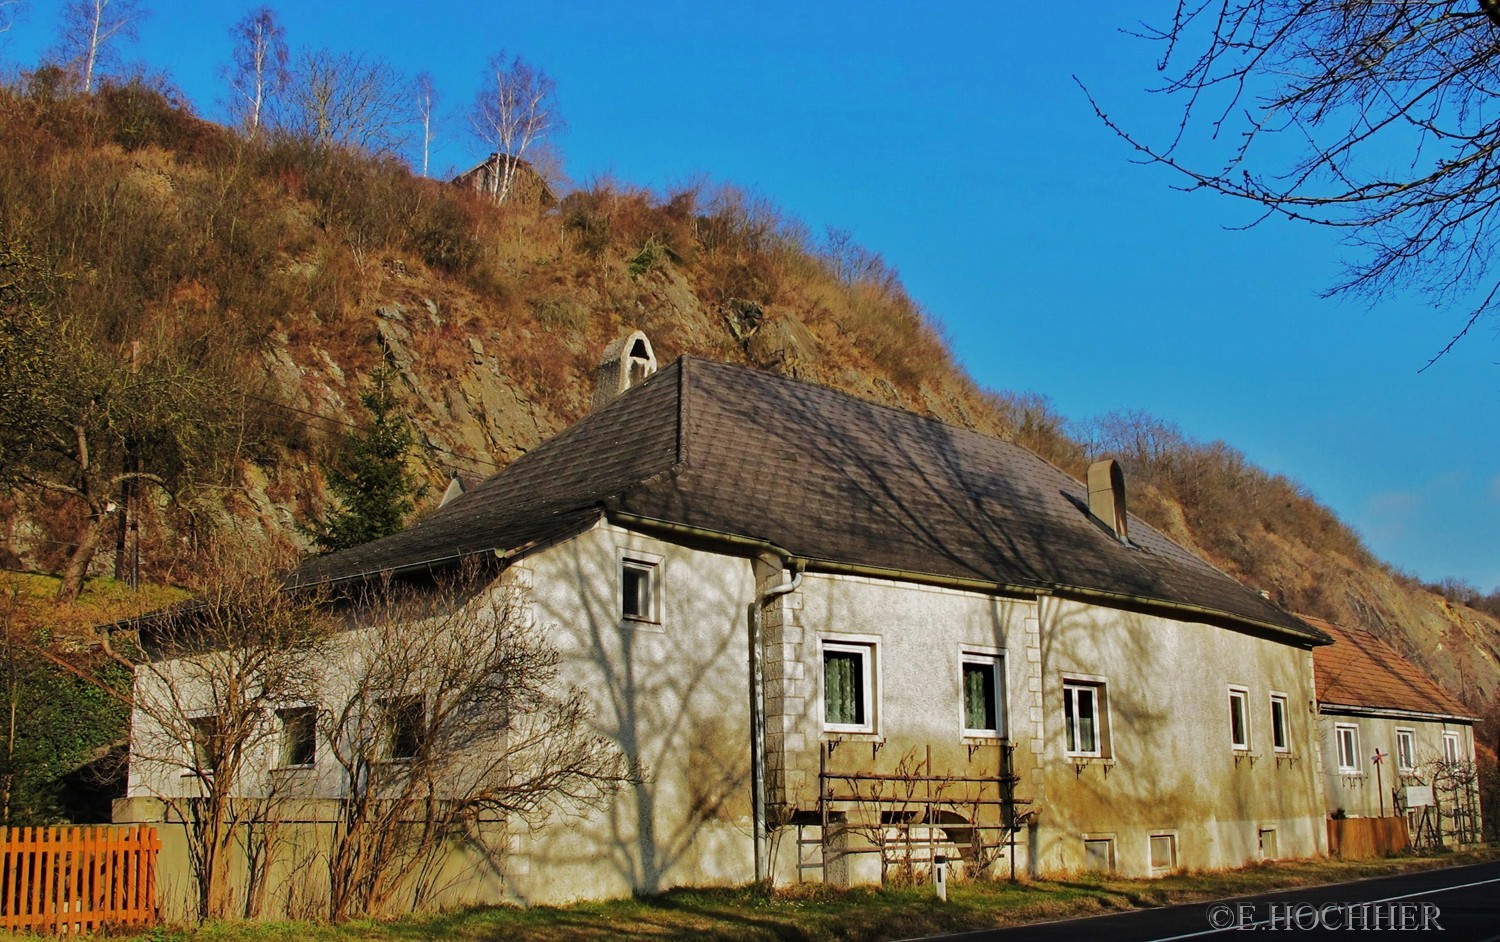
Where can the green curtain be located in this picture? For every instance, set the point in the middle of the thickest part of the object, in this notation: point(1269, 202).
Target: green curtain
point(843, 702)
point(979, 696)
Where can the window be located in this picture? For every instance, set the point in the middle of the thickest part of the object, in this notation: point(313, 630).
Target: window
point(1099, 854)
point(848, 687)
point(1346, 735)
point(1406, 750)
point(1280, 741)
point(1239, 717)
point(984, 711)
point(403, 723)
point(639, 591)
point(1453, 749)
point(299, 736)
point(1163, 853)
point(1268, 844)
point(204, 734)
point(1083, 712)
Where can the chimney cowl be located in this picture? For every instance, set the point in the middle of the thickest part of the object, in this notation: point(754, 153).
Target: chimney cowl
point(1107, 497)
point(627, 362)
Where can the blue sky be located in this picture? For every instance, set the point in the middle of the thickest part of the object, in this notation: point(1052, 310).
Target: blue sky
point(952, 139)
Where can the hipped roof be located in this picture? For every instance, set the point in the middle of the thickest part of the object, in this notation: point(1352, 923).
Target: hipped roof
point(1361, 672)
point(827, 477)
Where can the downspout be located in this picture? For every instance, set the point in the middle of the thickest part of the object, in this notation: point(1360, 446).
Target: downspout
point(758, 720)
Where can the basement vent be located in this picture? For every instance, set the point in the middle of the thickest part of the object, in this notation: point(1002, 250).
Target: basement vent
point(1107, 497)
point(626, 362)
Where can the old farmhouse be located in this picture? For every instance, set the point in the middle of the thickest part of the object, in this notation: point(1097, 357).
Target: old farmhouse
point(838, 639)
point(1372, 702)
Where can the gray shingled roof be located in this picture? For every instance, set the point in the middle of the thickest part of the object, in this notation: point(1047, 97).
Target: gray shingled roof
point(828, 477)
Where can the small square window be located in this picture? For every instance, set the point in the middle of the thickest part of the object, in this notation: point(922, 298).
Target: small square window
point(403, 727)
point(1268, 844)
point(1406, 750)
point(1083, 715)
point(1346, 737)
point(1099, 855)
point(848, 687)
point(1280, 740)
point(203, 733)
point(299, 736)
point(638, 591)
point(1239, 718)
point(1163, 853)
point(984, 712)
point(1453, 749)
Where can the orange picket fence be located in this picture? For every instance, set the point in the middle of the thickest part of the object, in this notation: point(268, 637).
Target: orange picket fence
point(77, 879)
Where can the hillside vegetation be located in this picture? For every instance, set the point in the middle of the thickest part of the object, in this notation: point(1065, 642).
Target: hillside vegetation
point(213, 307)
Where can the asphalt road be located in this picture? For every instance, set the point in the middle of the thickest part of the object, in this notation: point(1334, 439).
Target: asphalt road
point(1461, 904)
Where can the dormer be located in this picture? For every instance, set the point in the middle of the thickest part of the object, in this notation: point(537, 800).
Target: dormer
point(627, 362)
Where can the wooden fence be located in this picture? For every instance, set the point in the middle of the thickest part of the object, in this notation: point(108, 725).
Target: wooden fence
point(1351, 838)
point(77, 879)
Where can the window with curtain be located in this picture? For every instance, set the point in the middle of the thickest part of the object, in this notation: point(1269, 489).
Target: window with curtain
point(848, 702)
point(1082, 712)
point(983, 712)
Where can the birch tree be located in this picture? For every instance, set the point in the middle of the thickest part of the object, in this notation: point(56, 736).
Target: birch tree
point(89, 30)
point(514, 112)
point(259, 68)
point(426, 94)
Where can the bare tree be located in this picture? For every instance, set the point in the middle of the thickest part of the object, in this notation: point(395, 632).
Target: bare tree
point(1349, 85)
point(259, 68)
point(346, 100)
point(449, 721)
point(210, 719)
point(8, 11)
point(88, 29)
point(426, 94)
point(515, 110)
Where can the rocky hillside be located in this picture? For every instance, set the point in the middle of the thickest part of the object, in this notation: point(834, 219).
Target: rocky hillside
point(283, 275)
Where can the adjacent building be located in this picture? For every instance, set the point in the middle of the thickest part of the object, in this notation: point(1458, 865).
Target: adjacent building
point(1393, 741)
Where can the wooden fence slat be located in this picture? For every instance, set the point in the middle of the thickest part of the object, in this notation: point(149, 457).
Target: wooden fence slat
point(77, 879)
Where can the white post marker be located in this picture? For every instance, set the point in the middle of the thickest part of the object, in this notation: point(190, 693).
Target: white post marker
point(940, 876)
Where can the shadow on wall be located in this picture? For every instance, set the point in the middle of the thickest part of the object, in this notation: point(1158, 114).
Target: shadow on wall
point(674, 697)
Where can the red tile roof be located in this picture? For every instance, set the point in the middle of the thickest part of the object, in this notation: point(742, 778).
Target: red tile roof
point(1359, 670)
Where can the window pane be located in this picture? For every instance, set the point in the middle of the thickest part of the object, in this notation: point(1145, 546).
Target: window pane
point(636, 592)
point(1237, 720)
point(1163, 854)
point(1087, 741)
point(1405, 750)
point(1278, 722)
point(298, 736)
point(843, 694)
point(205, 733)
point(1069, 712)
point(979, 697)
point(404, 722)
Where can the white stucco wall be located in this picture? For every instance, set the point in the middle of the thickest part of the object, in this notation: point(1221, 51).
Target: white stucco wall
point(1365, 794)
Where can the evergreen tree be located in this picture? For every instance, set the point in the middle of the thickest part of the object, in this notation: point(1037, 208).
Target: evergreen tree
point(369, 480)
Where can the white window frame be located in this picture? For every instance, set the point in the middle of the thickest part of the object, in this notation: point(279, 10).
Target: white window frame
point(1073, 730)
point(1106, 839)
point(649, 565)
point(1453, 746)
point(1171, 839)
point(996, 663)
point(1406, 759)
point(1239, 697)
point(868, 649)
point(1281, 726)
point(1348, 764)
point(281, 739)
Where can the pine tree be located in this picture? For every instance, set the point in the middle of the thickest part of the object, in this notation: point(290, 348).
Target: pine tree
point(369, 480)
